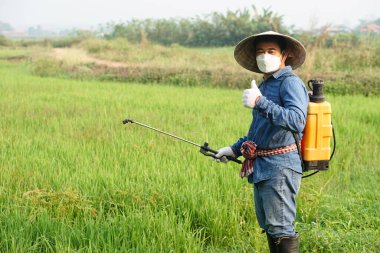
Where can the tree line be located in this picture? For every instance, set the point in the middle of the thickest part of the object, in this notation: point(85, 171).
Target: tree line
point(215, 29)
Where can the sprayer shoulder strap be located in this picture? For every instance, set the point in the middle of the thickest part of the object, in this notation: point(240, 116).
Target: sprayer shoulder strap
point(295, 135)
point(279, 90)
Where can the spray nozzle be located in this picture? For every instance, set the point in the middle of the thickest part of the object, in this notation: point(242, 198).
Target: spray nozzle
point(127, 121)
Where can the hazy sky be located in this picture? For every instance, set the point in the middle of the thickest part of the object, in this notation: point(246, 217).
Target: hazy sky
point(86, 13)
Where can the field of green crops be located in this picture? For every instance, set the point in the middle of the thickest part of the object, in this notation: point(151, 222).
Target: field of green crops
point(75, 179)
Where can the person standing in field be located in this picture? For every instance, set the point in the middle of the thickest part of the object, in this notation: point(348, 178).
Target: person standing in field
point(279, 109)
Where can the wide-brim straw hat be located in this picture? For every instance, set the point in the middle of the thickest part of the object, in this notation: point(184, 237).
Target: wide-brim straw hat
point(245, 53)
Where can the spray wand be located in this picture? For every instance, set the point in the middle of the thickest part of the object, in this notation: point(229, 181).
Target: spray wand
point(205, 149)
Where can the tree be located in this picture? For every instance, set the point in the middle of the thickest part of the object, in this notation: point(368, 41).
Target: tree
point(214, 29)
point(5, 27)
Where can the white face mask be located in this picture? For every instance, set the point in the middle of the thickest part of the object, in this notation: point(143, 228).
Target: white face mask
point(268, 63)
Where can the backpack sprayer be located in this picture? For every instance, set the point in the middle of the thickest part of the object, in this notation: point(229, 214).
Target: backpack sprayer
point(315, 145)
point(205, 149)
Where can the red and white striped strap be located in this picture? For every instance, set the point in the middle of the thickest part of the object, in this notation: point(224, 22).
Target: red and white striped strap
point(250, 152)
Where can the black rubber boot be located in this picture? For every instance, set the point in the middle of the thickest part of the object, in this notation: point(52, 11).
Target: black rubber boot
point(271, 244)
point(287, 244)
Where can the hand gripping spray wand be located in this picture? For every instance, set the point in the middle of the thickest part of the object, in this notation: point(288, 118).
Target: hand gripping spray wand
point(205, 149)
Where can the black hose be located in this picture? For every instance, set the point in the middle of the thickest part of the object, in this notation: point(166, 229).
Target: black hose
point(333, 132)
point(309, 175)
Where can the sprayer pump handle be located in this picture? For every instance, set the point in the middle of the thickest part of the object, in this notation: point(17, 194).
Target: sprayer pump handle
point(205, 150)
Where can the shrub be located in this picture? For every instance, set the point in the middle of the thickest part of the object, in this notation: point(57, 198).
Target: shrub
point(4, 41)
point(49, 67)
point(96, 45)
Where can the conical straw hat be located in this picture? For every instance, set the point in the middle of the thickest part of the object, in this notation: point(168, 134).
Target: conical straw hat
point(245, 51)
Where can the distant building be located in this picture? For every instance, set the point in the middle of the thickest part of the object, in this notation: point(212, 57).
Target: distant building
point(339, 29)
point(370, 28)
point(14, 33)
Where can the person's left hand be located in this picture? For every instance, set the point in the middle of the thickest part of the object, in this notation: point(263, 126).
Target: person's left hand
point(250, 96)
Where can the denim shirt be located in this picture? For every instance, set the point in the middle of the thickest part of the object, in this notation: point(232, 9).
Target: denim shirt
point(281, 110)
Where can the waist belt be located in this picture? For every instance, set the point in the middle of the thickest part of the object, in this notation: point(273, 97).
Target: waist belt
point(250, 151)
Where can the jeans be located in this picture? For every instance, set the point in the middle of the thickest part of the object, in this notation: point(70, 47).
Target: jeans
point(275, 203)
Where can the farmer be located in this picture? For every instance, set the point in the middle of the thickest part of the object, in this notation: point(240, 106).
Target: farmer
point(272, 162)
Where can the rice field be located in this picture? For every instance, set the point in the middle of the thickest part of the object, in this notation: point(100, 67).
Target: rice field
point(75, 179)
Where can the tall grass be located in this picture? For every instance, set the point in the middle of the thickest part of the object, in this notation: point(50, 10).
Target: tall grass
point(74, 179)
point(346, 70)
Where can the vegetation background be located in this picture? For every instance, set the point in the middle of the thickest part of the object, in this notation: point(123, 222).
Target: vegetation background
point(74, 179)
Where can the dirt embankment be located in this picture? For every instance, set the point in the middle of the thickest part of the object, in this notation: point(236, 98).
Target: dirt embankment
point(77, 56)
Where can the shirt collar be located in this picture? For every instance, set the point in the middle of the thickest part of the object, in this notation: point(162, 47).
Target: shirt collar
point(282, 71)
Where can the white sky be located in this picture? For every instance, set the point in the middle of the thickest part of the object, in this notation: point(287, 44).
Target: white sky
point(85, 13)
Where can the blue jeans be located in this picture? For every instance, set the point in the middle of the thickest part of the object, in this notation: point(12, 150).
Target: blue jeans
point(275, 202)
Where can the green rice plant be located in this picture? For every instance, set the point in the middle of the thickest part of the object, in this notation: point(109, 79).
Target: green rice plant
point(75, 179)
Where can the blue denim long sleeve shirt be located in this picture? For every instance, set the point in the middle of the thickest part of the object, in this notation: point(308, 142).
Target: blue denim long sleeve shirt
point(281, 110)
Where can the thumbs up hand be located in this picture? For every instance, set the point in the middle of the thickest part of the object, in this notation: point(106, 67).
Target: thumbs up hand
point(250, 96)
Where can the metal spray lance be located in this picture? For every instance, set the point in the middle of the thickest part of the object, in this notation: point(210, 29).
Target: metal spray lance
point(205, 149)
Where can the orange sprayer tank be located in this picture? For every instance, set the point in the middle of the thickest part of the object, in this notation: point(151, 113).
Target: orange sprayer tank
point(318, 130)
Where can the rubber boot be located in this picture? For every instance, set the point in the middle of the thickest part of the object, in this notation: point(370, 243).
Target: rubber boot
point(287, 244)
point(271, 244)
